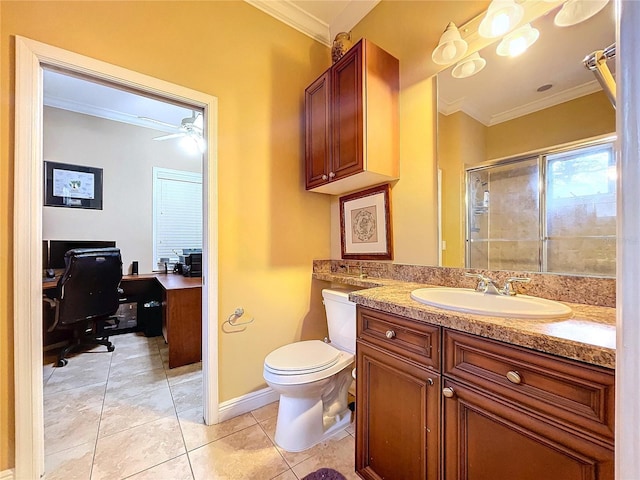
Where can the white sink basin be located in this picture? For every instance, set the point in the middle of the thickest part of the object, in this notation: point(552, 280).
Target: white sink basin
point(470, 301)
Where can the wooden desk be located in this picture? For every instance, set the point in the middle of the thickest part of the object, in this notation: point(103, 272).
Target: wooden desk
point(182, 318)
point(181, 311)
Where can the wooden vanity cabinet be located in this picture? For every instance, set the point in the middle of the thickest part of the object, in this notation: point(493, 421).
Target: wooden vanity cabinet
point(398, 398)
point(510, 412)
point(504, 412)
point(351, 122)
point(488, 438)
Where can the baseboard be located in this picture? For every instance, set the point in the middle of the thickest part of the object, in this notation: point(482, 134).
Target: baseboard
point(246, 403)
point(6, 474)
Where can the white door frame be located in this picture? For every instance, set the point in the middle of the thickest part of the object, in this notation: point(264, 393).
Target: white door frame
point(31, 56)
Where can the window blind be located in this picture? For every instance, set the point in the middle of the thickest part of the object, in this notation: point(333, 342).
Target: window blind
point(177, 213)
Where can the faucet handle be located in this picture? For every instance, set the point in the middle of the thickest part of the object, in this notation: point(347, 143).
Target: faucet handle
point(509, 288)
point(482, 280)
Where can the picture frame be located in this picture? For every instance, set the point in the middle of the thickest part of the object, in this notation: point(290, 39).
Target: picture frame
point(72, 186)
point(365, 224)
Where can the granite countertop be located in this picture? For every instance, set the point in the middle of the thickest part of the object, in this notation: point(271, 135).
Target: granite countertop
point(589, 336)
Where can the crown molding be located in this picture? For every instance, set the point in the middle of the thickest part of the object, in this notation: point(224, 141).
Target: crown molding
point(292, 15)
point(351, 16)
point(95, 111)
point(460, 105)
point(531, 107)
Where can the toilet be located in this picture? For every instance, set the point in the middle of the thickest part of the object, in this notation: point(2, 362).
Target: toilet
point(313, 379)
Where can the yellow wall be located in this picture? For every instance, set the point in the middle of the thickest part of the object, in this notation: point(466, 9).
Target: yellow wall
point(409, 30)
point(461, 141)
point(270, 228)
point(584, 117)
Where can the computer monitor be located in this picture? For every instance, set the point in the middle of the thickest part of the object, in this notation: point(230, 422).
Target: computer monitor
point(57, 249)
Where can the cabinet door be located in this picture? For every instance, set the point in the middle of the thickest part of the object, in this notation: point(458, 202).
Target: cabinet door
point(347, 126)
point(397, 418)
point(317, 134)
point(486, 438)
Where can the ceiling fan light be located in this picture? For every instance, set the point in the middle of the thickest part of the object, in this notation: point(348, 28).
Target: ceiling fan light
point(451, 46)
point(577, 11)
point(501, 17)
point(518, 41)
point(469, 66)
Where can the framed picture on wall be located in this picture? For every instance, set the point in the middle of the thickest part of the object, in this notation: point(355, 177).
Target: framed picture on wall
point(365, 224)
point(72, 186)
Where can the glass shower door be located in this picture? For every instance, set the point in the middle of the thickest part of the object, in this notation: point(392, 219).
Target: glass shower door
point(503, 217)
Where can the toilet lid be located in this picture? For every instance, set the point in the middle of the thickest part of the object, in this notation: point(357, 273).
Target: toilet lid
point(302, 357)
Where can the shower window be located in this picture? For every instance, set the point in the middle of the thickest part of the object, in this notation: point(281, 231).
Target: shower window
point(550, 213)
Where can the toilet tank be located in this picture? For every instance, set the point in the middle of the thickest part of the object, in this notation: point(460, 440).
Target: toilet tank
point(341, 319)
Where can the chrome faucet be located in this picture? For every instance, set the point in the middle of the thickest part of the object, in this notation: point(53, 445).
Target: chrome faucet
point(509, 287)
point(362, 274)
point(482, 281)
point(490, 287)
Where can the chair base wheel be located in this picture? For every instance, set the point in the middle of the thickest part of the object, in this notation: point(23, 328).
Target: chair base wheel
point(62, 362)
point(111, 348)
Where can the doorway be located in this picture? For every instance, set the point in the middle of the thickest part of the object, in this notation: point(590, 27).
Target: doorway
point(31, 58)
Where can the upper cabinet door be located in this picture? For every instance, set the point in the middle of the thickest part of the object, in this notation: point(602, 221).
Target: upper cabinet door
point(317, 133)
point(354, 107)
point(347, 126)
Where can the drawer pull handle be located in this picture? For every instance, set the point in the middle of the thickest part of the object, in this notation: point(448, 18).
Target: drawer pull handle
point(514, 377)
point(448, 392)
point(390, 334)
point(430, 381)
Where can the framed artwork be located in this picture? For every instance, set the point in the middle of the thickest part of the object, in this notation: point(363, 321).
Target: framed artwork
point(73, 186)
point(365, 224)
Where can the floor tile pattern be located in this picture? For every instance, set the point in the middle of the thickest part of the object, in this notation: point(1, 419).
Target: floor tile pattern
point(126, 415)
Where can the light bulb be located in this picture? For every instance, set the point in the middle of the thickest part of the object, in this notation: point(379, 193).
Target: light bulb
point(500, 24)
point(449, 52)
point(467, 69)
point(518, 46)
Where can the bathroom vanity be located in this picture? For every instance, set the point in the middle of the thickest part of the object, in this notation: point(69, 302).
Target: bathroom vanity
point(449, 395)
point(488, 409)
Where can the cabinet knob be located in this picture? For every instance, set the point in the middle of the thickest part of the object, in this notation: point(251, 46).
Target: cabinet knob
point(390, 334)
point(514, 377)
point(324, 177)
point(430, 381)
point(331, 174)
point(448, 392)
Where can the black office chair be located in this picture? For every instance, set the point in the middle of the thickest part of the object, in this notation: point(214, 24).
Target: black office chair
point(87, 297)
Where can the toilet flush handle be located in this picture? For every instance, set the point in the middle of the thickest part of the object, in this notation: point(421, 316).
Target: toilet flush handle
point(390, 334)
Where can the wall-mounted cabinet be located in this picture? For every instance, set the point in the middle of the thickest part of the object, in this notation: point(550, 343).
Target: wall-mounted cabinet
point(505, 412)
point(351, 122)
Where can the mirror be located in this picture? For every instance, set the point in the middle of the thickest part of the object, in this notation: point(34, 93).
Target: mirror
point(517, 108)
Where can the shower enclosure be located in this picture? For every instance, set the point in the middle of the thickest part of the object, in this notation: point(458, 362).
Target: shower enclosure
point(553, 212)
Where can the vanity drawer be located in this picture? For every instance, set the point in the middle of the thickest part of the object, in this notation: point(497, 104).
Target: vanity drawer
point(407, 338)
point(569, 393)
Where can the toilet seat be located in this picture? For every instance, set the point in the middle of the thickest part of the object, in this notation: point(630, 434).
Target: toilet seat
point(300, 358)
point(304, 362)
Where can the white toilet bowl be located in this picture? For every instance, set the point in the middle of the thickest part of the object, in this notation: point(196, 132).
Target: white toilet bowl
point(313, 380)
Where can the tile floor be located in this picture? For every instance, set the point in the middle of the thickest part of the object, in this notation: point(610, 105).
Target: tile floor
point(126, 415)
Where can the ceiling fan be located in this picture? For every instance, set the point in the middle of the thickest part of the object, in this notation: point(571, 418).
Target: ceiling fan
point(189, 127)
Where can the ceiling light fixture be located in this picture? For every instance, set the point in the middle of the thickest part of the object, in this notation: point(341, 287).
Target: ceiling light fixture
point(518, 41)
point(451, 46)
point(502, 16)
point(576, 11)
point(469, 66)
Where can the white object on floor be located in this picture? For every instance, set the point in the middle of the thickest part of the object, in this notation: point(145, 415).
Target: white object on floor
point(313, 379)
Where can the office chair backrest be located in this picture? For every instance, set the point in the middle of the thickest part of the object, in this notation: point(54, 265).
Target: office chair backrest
point(89, 285)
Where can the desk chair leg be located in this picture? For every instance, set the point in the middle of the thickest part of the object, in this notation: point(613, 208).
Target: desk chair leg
point(81, 338)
